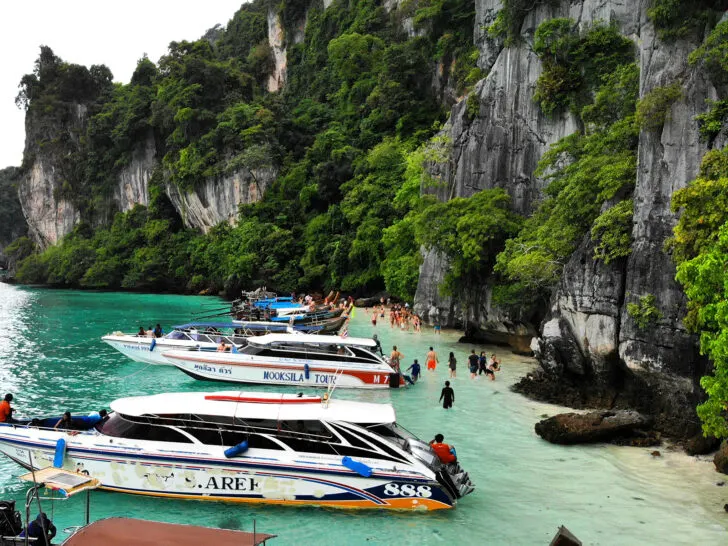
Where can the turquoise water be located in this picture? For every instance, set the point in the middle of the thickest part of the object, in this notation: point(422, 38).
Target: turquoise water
point(52, 359)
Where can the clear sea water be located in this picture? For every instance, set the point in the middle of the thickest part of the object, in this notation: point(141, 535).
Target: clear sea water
point(52, 359)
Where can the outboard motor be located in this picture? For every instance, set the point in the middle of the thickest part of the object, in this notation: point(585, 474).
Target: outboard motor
point(451, 475)
point(11, 524)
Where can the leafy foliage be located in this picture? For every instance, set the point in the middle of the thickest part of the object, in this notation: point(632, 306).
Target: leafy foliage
point(576, 63)
point(700, 250)
point(612, 232)
point(644, 313)
point(653, 110)
point(339, 135)
point(469, 232)
point(583, 172)
point(678, 18)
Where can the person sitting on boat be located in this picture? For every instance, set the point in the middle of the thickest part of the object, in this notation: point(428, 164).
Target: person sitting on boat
point(41, 529)
point(6, 412)
point(141, 332)
point(65, 422)
point(223, 347)
point(95, 417)
point(445, 452)
point(158, 332)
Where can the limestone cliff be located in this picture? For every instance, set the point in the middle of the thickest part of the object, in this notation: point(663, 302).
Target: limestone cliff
point(12, 223)
point(587, 334)
point(217, 200)
point(47, 206)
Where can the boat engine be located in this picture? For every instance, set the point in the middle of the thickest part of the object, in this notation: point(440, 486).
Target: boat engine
point(11, 524)
point(451, 475)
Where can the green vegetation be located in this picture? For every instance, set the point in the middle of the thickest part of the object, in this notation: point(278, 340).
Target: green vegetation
point(576, 63)
point(508, 21)
point(677, 18)
point(12, 224)
point(700, 249)
point(645, 314)
point(711, 56)
point(611, 232)
point(653, 110)
point(342, 136)
point(584, 171)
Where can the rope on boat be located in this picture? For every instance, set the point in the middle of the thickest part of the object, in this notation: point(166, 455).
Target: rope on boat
point(133, 374)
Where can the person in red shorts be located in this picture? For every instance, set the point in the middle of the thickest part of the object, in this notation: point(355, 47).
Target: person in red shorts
point(432, 359)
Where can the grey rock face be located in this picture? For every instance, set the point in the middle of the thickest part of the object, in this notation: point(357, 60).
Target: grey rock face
point(133, 180)
point(49, 215)
point(217, 200)
point(587, 332)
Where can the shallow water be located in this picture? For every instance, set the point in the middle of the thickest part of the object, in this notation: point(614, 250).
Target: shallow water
point(52, 359)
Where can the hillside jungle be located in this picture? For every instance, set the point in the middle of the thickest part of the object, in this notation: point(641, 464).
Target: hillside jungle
point(355, 139)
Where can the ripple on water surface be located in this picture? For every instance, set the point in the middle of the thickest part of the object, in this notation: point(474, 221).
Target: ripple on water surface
point(52, 358)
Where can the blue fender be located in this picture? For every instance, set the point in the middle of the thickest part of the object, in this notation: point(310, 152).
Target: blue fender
point(60, 453)
point(234, 451)
point(356, 466)
point(154, 344)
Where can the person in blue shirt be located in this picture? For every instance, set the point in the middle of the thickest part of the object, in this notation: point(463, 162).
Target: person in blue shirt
point(41, 529)
point(415, 367)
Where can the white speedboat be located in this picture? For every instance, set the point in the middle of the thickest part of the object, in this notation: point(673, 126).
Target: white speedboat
point(247, 447)
point(302, 360)
point(205, 336)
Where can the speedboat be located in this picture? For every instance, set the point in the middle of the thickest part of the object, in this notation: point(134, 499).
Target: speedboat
point(205, 336)
point(302, 360)
point(247, 447)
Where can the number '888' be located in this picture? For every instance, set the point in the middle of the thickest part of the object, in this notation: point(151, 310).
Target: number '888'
point(407, 490)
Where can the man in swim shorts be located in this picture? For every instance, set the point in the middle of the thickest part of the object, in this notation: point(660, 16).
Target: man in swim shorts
point(432, 360)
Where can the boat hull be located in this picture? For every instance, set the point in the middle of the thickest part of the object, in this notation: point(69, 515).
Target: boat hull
point(181, 473)
point(138, 349)
point(296, 372)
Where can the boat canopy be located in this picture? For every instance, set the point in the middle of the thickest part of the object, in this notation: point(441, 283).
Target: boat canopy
point(255, 405)
point(302, 339)
point(262, 326)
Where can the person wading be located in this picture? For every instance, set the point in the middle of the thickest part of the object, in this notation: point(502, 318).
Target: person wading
point(452, 364)
point(432, 360)
point(447, 396)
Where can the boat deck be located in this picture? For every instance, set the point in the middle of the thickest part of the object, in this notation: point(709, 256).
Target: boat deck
point(125, 531)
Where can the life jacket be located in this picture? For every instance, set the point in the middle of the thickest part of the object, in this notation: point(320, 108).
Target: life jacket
point(443, 452)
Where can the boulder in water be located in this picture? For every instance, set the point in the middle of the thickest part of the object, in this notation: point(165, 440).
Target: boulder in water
point(596, 426)
point(721, 458)
point(701, 445)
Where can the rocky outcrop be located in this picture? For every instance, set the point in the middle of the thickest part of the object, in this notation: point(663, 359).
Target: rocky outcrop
point(277, 78)
point(588, 341)
point(217, 200)
point(597, 426)
point(721, 458)
point(49, 213)
point(661, 362)
point(132, 186)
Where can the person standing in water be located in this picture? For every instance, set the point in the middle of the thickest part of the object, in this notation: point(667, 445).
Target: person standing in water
point(482, 363)
point(395, 358)
point(415, 371)
point(447, 396)
point(452, 364)
point(432, 360)
point(473, 363)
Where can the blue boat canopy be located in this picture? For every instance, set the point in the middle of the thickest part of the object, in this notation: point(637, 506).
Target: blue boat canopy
point(251, 326)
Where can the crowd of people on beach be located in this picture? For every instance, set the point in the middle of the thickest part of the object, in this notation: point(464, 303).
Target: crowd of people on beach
point(401, 316)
